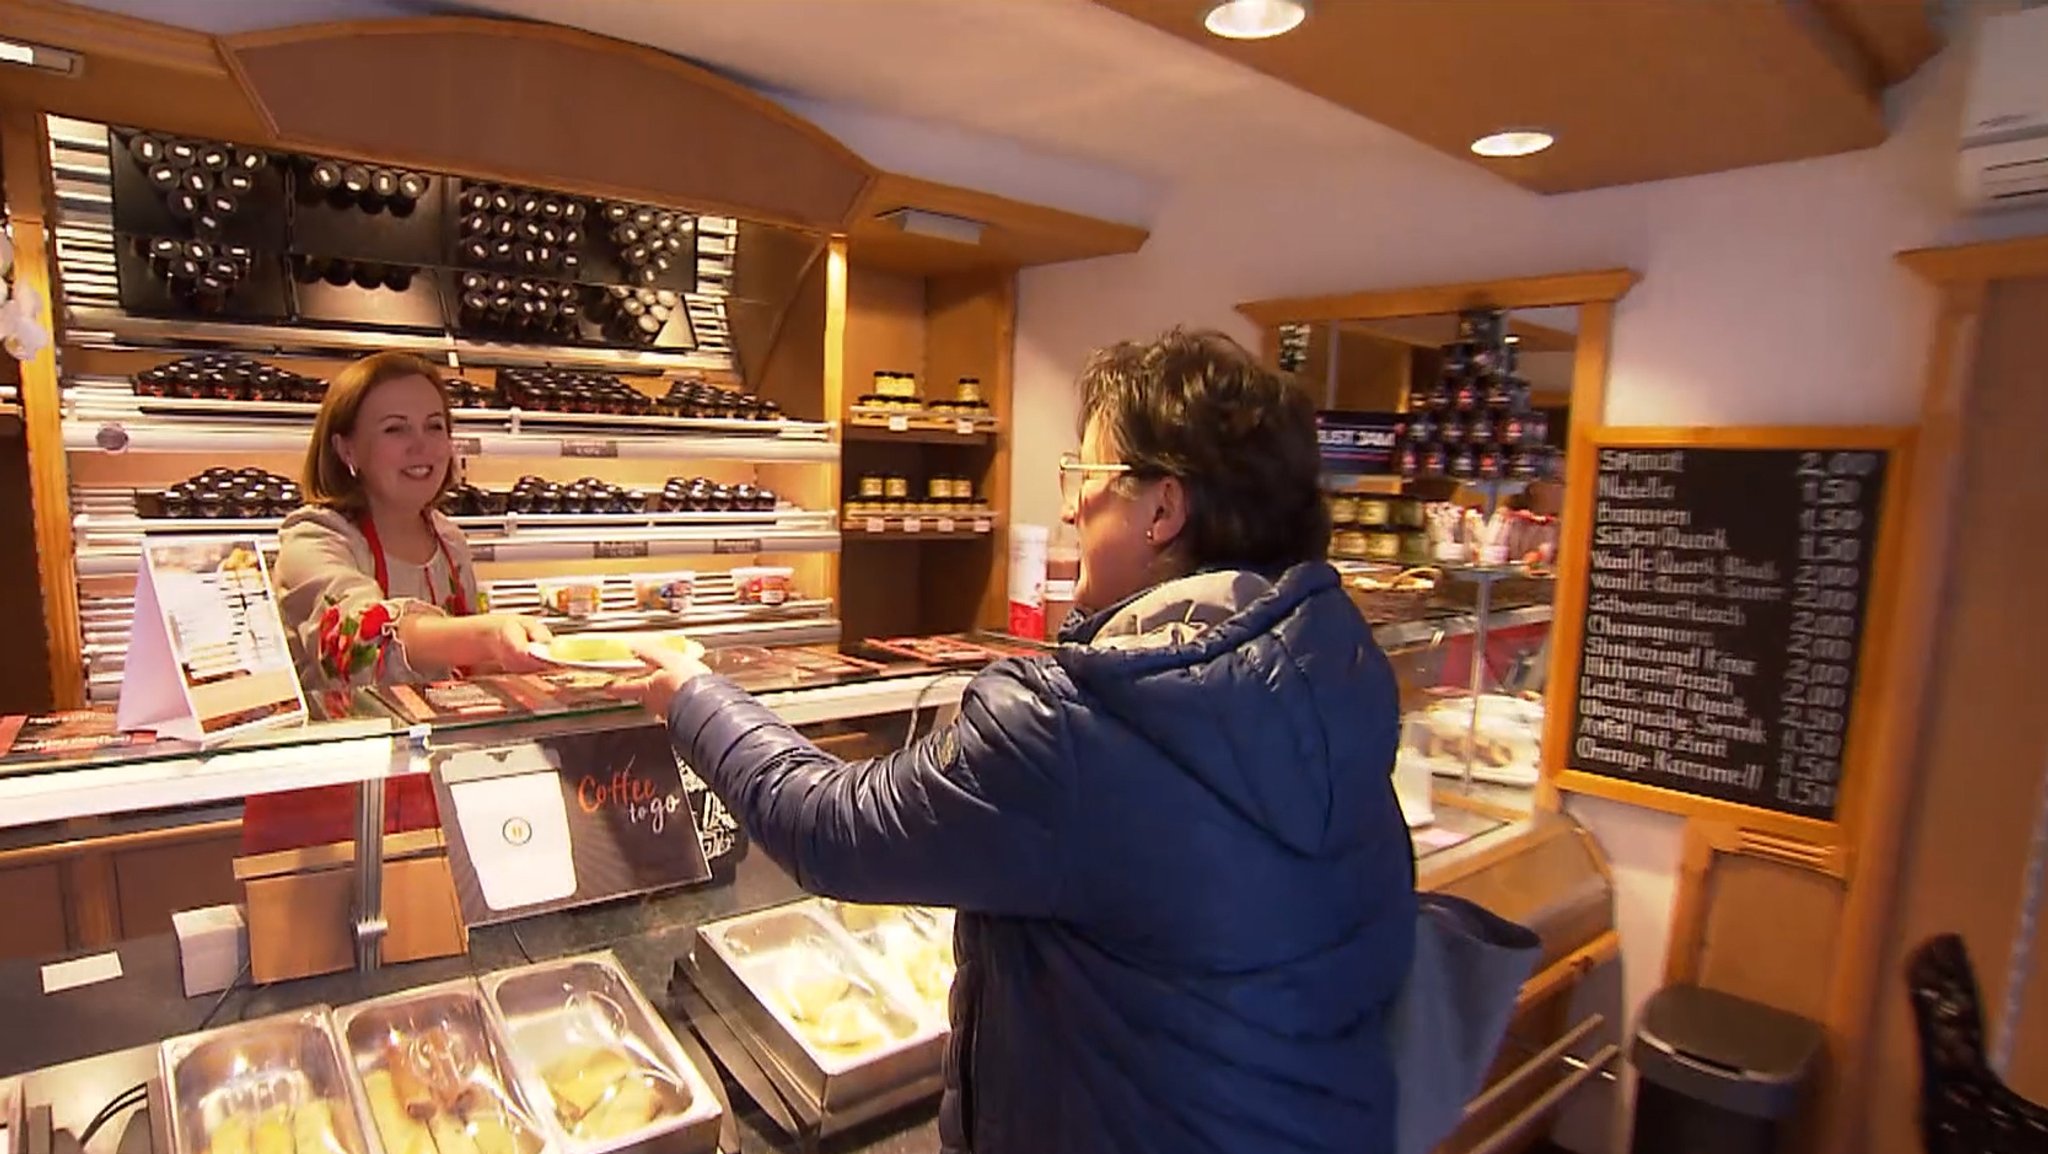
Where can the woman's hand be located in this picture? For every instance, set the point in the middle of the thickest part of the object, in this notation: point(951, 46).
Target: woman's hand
point(669, 672)
point(503, 641)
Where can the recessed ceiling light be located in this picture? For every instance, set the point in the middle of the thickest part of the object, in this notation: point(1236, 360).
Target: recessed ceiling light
point(1514, 142)
point(1255, 19)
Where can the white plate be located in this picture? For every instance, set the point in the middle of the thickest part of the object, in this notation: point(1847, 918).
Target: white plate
point(544, 651)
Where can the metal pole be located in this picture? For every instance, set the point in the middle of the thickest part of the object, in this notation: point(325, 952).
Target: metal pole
point(370, 925)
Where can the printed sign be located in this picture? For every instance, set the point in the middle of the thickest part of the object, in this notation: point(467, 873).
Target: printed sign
point(208, 657)
point(573, 819)
point(1358, 444)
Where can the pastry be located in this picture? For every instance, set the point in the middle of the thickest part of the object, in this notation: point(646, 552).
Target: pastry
point(313, 1129)
point(232, 1136)
point(580, 1079)
point(629, 1105)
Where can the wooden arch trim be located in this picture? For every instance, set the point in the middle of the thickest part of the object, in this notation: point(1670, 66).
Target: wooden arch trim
point(1994, 260)
point(537, 103)
point(1572, 288)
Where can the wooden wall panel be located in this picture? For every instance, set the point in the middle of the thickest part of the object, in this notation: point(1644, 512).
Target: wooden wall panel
point(31, 912)
point(158, 881)
point(970, 331)
point(1986, 732)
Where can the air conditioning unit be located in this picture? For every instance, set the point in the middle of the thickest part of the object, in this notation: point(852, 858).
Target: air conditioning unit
point(2005, 115)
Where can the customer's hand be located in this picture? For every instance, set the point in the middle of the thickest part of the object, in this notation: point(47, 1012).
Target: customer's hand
point(668, 672)
point(504, 642)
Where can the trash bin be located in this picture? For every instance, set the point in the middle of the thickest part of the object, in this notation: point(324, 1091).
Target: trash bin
point(1718, 1074)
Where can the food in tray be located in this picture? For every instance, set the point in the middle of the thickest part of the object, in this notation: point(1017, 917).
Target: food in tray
point(1407, 580)
point(829, 1004)
point(602, 1093)
point(915, 942)
point(431, 1094)
point(308, 1128)
point(1507, 733)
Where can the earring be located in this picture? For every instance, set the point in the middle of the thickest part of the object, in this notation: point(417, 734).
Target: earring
point(351, 467)
point(1148, 536)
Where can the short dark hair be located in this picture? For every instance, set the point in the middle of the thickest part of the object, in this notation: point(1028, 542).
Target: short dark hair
point(1241, 438)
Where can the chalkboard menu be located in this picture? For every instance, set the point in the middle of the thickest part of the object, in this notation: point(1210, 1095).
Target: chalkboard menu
point(1725, 603)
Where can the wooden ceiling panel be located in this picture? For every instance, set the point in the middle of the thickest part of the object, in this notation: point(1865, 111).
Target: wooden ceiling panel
point(1633, 90)
point(1014, 234)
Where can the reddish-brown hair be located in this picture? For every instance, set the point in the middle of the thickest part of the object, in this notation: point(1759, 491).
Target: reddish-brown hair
point(327, 480)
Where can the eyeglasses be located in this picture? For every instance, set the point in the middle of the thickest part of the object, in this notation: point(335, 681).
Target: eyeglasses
point(1074, 472)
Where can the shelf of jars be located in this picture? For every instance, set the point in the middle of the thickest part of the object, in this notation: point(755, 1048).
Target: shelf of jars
point(896, 410)
point(191, 254)
point(109, 544)
point(106, 414)
point(958, 523)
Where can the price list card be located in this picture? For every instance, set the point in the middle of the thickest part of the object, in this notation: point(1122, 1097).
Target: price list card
point(1725, 604)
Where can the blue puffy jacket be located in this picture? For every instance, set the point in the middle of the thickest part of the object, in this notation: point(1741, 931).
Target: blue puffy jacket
point(1184, 883)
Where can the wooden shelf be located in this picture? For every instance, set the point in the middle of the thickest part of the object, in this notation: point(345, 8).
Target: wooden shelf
point(920, 431)
point(927, 527)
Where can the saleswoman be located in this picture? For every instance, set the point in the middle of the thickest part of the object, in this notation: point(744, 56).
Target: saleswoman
point(376, 585)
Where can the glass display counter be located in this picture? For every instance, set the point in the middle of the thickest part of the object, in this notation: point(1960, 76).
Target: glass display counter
point(126, 805)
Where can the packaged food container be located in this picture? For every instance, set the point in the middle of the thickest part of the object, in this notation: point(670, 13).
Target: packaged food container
point(1374, 512)
point(831, 1027)
point(1343, 509)
point(968, 390)
point(763, 584)
point(597, 1060)
point(664, 592)
point(572, 598)
point(435, 1076)
point(896, 488)
point(871, 486)
point(273, 1086)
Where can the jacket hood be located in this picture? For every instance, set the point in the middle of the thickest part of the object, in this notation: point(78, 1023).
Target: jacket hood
point(1269, 691)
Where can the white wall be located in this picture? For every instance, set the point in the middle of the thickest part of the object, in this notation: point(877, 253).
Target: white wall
point(1768, 296)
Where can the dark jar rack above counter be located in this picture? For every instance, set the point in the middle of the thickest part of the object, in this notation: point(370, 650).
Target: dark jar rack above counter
point(176, 228)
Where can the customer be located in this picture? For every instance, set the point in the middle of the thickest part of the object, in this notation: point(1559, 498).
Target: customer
point(1185, 888)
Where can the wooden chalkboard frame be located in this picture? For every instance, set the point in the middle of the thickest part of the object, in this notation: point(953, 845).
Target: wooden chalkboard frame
point(1872, 672)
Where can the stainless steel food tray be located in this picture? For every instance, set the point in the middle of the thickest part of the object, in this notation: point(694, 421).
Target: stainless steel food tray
point(449, 1031)
point(735, 963)
point(248, 1070)
point(549, 1009)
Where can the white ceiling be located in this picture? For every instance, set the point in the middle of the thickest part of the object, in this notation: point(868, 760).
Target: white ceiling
point(1066, 78)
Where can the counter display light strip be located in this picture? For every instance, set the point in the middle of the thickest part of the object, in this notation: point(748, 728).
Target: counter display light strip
point(116, 437)
point(866, 699)
point(105, 660)
point(33, 798)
